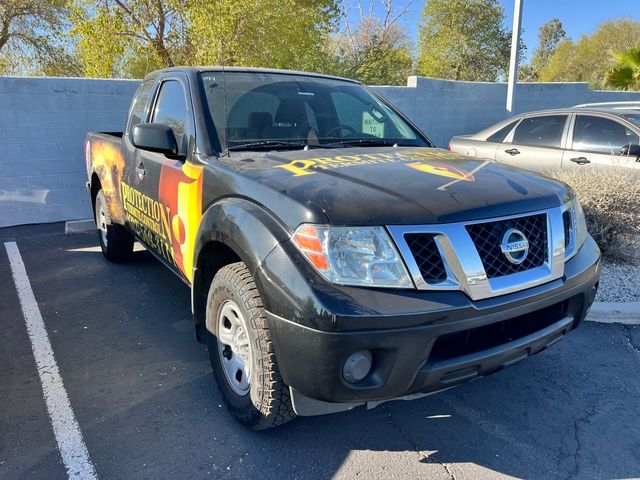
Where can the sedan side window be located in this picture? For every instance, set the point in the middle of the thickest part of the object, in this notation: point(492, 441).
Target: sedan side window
point(601, 135)
point(171, 110)
point(500, 135)
point(544, 131)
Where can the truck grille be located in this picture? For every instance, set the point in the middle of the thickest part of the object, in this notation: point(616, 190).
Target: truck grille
point(425, 253)
point(468, 256)
point(487, 238)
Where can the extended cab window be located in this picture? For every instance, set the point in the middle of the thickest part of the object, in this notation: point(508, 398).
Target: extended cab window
point(140, 103)
point(171, 110)
point(601, 135)
point(544, 131)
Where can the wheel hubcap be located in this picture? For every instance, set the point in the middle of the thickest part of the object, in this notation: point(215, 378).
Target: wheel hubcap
point(234, 347)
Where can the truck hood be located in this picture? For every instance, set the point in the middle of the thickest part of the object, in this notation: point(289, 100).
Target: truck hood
point(395, 186)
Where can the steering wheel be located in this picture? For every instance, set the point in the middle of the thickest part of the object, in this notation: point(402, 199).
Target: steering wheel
point(339, 128)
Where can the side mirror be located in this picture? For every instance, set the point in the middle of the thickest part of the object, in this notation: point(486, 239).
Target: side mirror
point(154, 137)
point(630, 150)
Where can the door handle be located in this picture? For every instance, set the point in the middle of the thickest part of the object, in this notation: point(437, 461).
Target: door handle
point(512, 151)
point(141, 171)
point(581, 160)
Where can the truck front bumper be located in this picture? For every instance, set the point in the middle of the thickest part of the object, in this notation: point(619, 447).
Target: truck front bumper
point(418, 353)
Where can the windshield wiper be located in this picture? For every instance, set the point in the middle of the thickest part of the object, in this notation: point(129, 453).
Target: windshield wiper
point(363, 142)
point(283, 144)
point(268, 144)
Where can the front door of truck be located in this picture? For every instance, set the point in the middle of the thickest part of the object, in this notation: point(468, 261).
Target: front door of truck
point(163, 201)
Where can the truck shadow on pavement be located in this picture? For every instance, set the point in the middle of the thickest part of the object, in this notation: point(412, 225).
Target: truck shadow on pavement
point(148, 406)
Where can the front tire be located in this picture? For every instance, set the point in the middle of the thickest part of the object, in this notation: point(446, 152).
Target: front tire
point(241, 351)
point(116, 242)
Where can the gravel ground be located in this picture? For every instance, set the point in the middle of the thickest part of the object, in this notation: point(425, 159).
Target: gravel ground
point(619, 283)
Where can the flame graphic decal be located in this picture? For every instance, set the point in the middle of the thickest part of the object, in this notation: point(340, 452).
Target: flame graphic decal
point(180, 189)
point(107, 161)
point(442, 170)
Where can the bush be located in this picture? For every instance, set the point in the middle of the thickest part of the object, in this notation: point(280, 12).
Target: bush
point(611, 201)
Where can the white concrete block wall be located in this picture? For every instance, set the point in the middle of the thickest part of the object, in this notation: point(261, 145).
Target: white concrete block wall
point(443, 108)
point(43, 123)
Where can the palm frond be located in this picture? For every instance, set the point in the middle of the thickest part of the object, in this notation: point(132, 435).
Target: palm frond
point(625, 75)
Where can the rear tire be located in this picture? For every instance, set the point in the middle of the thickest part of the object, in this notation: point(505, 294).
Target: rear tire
point(115, 241)
point(241, 351)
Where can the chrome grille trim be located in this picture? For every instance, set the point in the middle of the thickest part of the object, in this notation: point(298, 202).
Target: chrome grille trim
point(465, 271)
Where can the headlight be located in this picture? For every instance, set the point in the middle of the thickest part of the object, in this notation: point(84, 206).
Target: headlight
point(581, 223)
point(362, 256)
point(575, 227)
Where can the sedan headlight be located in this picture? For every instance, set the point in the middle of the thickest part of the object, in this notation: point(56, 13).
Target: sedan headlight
point(575, 227)
point(360, 256)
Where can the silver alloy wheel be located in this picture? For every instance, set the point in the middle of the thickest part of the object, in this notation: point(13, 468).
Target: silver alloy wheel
point(234, 347)
point(101, 220)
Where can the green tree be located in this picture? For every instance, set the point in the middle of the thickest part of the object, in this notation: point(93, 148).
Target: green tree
point(463, 40)
point(625, 75)
point(31, 37)
point(549, 36)
point(591, 57)
point(131, 38)
point(374, 50)
point(111, 33)
point(262, 33)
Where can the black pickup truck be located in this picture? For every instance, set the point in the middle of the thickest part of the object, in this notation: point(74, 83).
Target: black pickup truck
point(335, 257)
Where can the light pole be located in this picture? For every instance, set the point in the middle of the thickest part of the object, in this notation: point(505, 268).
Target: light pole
point(515, 49)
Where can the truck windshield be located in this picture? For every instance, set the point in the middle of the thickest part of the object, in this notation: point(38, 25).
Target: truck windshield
point(274, 111)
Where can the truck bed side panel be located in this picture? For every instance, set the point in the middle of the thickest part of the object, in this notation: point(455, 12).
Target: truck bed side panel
point(104, 158)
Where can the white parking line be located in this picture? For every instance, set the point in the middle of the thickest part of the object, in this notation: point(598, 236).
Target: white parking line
point(65, 426)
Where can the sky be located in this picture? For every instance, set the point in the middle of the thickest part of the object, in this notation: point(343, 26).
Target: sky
point(578, 17)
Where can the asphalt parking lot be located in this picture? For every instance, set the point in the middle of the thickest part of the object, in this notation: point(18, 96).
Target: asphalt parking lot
point(147, 406)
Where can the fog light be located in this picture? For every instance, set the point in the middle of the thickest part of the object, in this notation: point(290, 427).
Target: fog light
point(357, 366)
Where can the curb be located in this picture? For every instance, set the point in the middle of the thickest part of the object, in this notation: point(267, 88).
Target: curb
point(79, 226)
point(627, 313)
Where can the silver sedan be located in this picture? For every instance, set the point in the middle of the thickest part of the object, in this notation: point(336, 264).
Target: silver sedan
point(584, 138)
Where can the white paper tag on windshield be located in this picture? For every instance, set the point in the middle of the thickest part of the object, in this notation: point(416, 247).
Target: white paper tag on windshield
point(371, 126)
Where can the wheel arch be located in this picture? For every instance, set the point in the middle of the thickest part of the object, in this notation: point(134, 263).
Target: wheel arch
point(94, 188)
point(231, 230)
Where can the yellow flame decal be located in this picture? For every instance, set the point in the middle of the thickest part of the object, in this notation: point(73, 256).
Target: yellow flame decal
point(442, 171)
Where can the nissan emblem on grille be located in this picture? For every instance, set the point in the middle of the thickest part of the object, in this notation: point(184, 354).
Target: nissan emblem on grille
point(514, 246)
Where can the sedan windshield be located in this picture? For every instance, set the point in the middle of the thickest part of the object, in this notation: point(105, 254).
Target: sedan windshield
point(276, 111)
point(633, 117)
